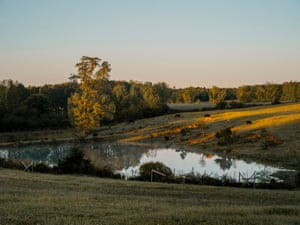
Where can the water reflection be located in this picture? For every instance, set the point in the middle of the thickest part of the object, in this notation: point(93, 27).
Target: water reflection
point(127, 159)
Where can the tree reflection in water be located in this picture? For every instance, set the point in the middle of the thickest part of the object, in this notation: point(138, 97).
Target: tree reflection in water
point(127, 158)
point(225, 163)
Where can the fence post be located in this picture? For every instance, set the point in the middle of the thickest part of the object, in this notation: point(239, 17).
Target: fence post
point(254, 179)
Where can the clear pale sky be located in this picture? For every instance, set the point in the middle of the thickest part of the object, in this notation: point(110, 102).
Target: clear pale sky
point(184, 43)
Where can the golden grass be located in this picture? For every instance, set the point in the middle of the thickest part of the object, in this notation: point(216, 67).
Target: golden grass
point(269, 122)
point(265, 111)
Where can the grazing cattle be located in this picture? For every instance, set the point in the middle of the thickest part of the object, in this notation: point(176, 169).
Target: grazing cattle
point(208, 118)
point(248, 122)
point(177, 115)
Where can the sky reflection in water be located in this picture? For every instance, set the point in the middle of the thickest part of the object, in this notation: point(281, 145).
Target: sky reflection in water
point(128, 158)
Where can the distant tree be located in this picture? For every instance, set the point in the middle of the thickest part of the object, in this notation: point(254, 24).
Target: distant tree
point(86, 106)
point(246, 93)
point(231, 94)
point(274, 92)
point(217, 95)
point(39, 102)
point(188, 95)
point(289, 91)
point(269, 93)
point(162, 91)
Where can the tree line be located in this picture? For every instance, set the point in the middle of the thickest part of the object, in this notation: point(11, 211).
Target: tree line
point(52, 106)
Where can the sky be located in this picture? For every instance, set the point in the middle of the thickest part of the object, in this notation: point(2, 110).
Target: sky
point(199, 43)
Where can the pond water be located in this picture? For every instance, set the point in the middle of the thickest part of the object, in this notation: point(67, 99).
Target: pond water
point(127, 159)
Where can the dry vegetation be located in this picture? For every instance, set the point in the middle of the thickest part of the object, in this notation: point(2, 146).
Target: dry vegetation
point(32, 198)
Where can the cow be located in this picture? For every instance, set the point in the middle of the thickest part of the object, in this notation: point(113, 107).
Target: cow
point(248, 122)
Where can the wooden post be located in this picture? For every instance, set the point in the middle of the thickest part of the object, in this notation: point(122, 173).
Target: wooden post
point(254, 179)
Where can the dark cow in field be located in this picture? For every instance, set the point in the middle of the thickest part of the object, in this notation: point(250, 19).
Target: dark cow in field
point(207, 115)
point(248, 122)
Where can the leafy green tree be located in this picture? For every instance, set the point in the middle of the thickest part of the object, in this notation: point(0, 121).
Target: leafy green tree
point(289, 91)
point(39, 102)
point(246, 93)
point(87, 106)
point(274, 92)
point(217, 95)
point(269, 93)
point(187, 95)
point(162, 91)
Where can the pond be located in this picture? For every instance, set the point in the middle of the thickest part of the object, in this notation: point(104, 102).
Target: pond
point(127, 158)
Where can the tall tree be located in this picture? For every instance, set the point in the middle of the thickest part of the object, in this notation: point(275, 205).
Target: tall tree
point(217, 95)
point(289, 91)
point(85, 109)
point(246, 93)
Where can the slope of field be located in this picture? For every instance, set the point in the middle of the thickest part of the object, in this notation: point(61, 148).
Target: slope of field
point(32, 198)
point(269, 133)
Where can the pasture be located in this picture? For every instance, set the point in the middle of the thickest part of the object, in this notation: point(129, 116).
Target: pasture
point(264, 133)
point(32, 198)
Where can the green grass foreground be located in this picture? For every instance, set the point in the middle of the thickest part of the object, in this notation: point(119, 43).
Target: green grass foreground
point(33, 198)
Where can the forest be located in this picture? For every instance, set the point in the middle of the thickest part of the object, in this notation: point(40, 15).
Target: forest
point(46, 107)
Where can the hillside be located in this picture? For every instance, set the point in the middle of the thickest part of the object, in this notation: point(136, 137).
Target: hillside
point(269, 133)
point(32, 198)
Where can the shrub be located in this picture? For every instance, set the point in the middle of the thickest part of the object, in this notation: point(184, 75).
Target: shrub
point(42, 168)
point(75, 162)
point(224, 136)
point(147, 168)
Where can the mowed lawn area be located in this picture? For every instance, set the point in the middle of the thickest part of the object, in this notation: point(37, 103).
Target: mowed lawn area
point(33, 198)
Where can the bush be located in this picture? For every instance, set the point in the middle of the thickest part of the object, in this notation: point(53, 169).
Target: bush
point(42, 168)
point(224, 136)
point(147, 168)
point(75, 162)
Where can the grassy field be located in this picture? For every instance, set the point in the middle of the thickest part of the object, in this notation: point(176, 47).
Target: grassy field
point(191, 107)
point(32, 198)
